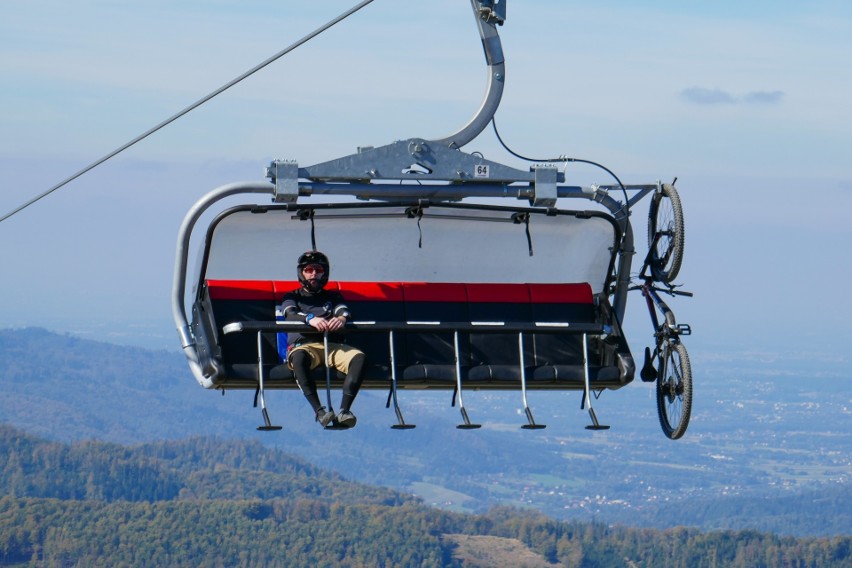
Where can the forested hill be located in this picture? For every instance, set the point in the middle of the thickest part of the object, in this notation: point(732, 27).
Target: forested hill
point(197, 468)
point(206, 502)
point(777, 462)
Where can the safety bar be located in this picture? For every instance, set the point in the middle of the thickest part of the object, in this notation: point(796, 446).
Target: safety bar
point(455, 327)
point(486, 327)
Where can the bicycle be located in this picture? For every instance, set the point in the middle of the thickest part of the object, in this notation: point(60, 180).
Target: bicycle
point(673, 372)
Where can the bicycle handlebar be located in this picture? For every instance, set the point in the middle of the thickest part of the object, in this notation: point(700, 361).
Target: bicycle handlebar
point(667, 290)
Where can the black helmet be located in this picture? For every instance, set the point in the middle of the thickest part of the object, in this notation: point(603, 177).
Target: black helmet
point(313, 257)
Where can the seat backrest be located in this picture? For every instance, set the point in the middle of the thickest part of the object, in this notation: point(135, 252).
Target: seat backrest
point(241, 300)
point(412, 302)
point(506, 303)
point(435, 302)
point(560, 303)
point(376, 302)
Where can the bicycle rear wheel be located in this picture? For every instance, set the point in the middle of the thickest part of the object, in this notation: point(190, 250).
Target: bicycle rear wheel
point(674, 390)
point(665, 215)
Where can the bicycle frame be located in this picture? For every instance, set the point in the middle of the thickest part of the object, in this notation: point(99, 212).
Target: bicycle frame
point(674, 385)
point(670, 329)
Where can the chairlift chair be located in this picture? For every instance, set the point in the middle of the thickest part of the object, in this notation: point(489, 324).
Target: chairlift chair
point(462, 273)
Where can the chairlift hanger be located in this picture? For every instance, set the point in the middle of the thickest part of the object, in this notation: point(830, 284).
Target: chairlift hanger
point(434, 173)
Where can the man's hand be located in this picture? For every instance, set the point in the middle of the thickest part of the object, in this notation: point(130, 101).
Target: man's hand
point(335, 323)
point(332, 324)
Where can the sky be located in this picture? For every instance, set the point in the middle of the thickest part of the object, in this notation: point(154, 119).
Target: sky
point(745, 103)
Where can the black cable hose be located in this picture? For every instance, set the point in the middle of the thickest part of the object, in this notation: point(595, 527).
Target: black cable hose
point(566, 159)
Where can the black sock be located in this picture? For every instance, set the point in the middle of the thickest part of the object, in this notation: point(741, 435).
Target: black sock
point(352, 383)
point(300, 361)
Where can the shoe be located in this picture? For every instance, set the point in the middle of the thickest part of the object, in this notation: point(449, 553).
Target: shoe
point(324, 416)
point(346, 419)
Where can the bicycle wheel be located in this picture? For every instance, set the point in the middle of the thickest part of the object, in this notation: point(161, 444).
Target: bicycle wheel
point(674, 390)
point(665, 215)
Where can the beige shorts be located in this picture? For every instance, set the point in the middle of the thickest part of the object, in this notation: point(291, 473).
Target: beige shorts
point(339, 357)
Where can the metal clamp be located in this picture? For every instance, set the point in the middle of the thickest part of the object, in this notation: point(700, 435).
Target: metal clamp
point(544, 192)
point(285, 176)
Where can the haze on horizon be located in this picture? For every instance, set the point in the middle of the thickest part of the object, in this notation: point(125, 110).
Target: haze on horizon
point(745, 104)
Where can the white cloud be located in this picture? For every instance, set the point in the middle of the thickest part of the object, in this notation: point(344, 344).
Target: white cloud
point(764, 97)
point(705, 96)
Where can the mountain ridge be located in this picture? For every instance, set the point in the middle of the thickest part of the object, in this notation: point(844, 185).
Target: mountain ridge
point(57, 508)
point(759, 461)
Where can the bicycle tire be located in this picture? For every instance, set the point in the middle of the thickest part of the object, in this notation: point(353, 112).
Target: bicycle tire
point(666, 216)
point(674, 390)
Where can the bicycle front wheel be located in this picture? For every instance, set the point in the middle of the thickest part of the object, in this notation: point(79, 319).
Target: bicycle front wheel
point(674, 390)
point(665, 216)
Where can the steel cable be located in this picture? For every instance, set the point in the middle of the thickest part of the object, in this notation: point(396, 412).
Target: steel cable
point(191, 107)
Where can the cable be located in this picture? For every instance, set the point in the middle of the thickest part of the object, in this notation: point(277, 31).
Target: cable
point(625, 207)
point(564, 159)
point(191, 107)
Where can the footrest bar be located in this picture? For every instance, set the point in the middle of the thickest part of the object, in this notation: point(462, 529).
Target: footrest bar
point(267, 424)
point(401, 425)
point(467, 425)
point(531, 425)
point(595, 425)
